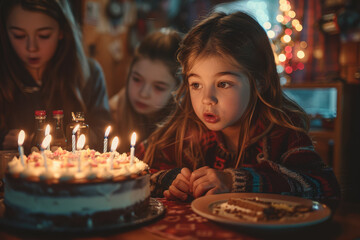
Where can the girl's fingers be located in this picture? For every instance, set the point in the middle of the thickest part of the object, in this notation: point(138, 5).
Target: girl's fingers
point(202, 188)
point(168, 195)
point(181, 184)
point(186, 173)
point(212, 191)
point(177, 193)
point(198, 173)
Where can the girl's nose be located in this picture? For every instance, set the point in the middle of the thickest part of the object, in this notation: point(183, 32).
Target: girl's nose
point(32, 44)
point(209, 97)
point(145, 91)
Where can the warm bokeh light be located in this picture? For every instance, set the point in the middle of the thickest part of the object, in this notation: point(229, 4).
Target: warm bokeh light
point(271, 34)
point(282, 57)
point(288, 69)
point(267, 25)
point(291, 14)
point(300, 66)
point(303, 44)
point(286, 38)
point(288, 49)
point(300, 54)
point(280, 18)
point(295, 22)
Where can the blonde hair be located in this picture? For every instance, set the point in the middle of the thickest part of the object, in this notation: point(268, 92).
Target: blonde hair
point(240, 37)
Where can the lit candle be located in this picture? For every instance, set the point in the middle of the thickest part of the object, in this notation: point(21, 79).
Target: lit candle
point(47, 132)
point(73, 137)
point(132, 148)
point(106, 138)
point(44, 145)
point(80, 145)
point(114, 145)
point(21, 139)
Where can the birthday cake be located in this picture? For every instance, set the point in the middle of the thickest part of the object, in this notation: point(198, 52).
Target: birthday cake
point(81, 189)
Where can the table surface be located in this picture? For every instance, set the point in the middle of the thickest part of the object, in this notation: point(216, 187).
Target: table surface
point(180, 223)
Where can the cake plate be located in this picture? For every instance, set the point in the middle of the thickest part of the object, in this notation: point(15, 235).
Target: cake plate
point(154, 211)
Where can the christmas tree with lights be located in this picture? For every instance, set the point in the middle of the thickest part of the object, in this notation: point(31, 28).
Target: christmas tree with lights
point(289, 51)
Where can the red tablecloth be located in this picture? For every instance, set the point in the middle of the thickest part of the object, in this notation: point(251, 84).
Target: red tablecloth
point(180, 223)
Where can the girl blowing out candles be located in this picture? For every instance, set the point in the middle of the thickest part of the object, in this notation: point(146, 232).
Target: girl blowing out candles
point(234, 130)
point(43, 66)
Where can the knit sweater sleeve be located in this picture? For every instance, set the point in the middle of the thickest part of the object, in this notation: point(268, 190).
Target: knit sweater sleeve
point(297, 171)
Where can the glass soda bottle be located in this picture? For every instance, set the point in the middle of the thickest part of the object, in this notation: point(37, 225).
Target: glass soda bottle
point(40, 121)
point(78, 118)
point(58, 138)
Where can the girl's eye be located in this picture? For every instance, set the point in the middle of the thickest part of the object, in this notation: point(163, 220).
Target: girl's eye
point(44, 36)
point(160, 88)
point(224, 85)
point(19, 36)
point(136, 79)
point(195, 85)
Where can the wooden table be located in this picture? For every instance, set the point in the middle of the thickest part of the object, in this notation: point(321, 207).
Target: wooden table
point(180, 223)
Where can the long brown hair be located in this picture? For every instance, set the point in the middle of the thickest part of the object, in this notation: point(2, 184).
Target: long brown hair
point(64, 74)
point(161, 45)
point(239, 37)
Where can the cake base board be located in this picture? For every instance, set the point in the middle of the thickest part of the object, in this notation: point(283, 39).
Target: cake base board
point(154, 211)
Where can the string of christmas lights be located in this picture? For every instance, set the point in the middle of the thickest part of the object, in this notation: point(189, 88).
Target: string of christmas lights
point(289, 51)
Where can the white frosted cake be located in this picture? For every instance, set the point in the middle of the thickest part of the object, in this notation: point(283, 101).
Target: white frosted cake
point(85, 189)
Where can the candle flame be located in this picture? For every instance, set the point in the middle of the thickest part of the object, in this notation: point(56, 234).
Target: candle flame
point(107, 131)
point(21, 137)
point(114, 143)
point(75, 129)
point(81, 142)
point(46, 141)
point(133, 139)
point(47, 130)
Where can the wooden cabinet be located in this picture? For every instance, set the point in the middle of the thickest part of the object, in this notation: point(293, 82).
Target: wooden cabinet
point(336, 139)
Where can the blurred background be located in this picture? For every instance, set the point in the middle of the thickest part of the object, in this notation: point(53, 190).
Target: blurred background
point(316, 45)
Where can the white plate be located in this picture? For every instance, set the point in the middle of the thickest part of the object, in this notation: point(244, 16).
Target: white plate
point(204, 206)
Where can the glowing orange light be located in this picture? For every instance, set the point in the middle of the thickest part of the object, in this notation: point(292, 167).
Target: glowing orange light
point(114, 144)
point(21, 137)
point(81, 142)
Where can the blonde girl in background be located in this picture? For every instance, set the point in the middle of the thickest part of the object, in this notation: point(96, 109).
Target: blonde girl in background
point(234, 130)
point(147, 98)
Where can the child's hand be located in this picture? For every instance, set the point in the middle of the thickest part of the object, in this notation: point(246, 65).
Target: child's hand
point(207, 181)
point(180, 187)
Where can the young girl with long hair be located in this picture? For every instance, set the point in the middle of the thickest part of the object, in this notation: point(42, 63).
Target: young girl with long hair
point(43, 67)
point(147, 98)
point(234, 130)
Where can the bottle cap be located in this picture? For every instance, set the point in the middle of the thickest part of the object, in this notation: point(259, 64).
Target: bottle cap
point(40, 113)
point(79, 116)
point(58, 112)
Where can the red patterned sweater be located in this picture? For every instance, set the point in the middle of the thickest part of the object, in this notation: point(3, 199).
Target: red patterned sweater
point(283, 161)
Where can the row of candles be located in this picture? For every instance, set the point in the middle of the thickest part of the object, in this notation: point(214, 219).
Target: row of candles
point(80, 144)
